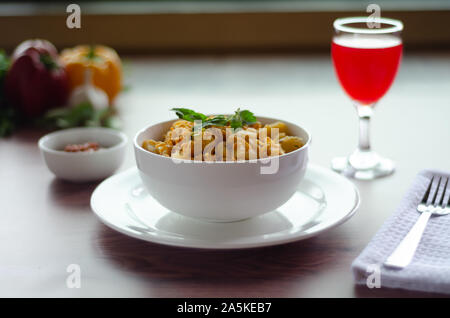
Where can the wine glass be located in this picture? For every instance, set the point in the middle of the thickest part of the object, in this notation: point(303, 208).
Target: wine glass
point(366, 61)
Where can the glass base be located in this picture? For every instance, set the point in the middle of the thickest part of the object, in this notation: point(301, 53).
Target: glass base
point(363, 165)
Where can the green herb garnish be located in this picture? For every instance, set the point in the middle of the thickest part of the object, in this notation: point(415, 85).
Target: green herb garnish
point(82, 115)
point(8, 116)
point(236, 121)
point(189, 114)
point(242, 118)
point(8, 121)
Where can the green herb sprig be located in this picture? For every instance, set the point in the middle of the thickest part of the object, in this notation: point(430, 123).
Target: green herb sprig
point(82, 115)
point(240, 118)
point(8, 120)
point(8, 117)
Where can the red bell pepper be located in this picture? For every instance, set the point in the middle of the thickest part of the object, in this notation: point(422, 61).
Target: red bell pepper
point(36, 80)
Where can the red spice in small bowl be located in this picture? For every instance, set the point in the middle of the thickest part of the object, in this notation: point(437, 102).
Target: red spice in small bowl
point(88, 146)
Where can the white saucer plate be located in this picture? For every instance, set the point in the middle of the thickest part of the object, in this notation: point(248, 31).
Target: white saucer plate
point(324, 200)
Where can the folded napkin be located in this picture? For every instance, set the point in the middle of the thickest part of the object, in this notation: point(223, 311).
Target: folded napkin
point(429, 270)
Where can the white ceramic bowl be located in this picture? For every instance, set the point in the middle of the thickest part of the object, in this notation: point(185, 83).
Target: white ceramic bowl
point(220, 191)
point(83, 166)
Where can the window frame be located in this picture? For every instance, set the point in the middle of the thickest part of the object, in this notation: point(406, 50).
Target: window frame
point(199, 27)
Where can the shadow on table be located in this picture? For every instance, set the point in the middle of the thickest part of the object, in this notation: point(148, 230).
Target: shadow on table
point(264, 272)
point(71, 195)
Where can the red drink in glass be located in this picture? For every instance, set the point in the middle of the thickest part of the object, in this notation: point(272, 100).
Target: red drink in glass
point(366, 66)
point(366, 53)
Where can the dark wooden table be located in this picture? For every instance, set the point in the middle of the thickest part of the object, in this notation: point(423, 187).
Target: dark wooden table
point(47, 224)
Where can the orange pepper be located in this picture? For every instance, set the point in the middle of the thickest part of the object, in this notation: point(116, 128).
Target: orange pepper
point(104, 63)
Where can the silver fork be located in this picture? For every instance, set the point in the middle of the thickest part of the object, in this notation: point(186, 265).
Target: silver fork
point(404, 252)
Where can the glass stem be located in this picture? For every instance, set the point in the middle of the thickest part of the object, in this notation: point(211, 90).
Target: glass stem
point(364, 113)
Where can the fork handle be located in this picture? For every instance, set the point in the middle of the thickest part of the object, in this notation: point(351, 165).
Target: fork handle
point(404, 252)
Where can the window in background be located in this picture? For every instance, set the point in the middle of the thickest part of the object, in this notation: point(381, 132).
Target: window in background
point(144, 26)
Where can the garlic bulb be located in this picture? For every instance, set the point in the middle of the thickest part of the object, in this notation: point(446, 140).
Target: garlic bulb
point(87, 92)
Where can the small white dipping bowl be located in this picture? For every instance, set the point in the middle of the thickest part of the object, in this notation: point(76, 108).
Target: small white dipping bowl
point(83, 166)
point(220, 191)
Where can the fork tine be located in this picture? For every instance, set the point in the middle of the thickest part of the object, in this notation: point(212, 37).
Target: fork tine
point(436, 193)
point(441, 203)
point(448, 202)
point(427, 193)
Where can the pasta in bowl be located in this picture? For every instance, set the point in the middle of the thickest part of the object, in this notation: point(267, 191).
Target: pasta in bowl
point(216, 181)
point(185, 140)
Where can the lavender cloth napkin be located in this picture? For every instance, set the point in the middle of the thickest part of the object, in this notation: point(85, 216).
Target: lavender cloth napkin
point(429, 270)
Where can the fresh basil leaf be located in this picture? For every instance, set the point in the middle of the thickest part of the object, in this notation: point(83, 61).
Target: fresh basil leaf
point(238, 120)
point(219, 120)
point(189, 114)
point(247, 117)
